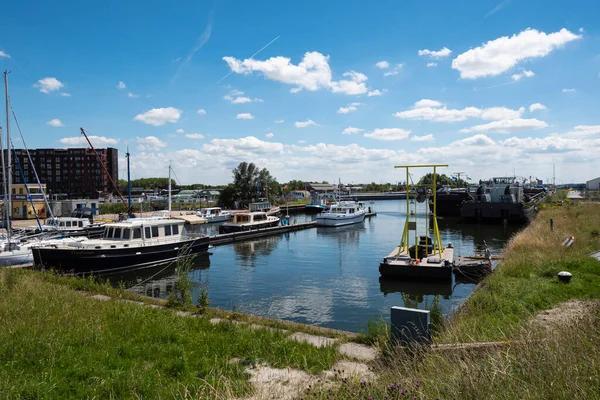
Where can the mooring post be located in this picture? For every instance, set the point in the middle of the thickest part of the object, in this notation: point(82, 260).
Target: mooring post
point(410, 326)
point(551, 225)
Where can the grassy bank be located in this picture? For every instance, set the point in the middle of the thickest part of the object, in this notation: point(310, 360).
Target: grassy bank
point(56, 342)
point(536, 358)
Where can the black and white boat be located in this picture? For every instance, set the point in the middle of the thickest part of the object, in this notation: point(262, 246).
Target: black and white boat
point(134, 243)
point(247, 221)
point(69, 226)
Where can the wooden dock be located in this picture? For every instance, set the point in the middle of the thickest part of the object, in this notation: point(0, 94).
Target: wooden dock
point(226, 238)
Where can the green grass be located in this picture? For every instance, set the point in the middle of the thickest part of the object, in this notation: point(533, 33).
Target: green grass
point(58, 343)
point(526, 280)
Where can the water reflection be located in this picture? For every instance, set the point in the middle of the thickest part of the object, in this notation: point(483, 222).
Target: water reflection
point(250, 250)
point(416, 288)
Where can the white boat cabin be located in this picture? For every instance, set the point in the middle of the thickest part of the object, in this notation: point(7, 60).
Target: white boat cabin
point(210, 212)
point(66, 223)
point(137, 232)
point(346, 207)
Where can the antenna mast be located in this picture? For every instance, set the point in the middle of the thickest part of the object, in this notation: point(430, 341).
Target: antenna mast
point(8, 161)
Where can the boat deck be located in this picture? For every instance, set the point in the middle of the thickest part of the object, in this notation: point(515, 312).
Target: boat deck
point(401, 265)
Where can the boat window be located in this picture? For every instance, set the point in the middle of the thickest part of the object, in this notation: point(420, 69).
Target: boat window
point(147, 232)
point(167, 230)
point(175, 229)
point(242, 218)
point(137, 233)
point(126, 233)
point(68, 224)
point(260, 217)
point(155, 231)
point(109, 232)
point(117, 234)
point(80, 224)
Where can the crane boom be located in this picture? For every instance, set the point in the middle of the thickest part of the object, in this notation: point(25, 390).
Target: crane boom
point(105, 170)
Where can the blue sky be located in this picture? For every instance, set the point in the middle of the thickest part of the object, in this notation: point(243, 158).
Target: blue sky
point(341, 90)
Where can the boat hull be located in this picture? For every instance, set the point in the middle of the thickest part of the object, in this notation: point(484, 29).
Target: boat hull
point(497, 212)
point(17, 257)
point(335, 220)
point(414, 272)
point(231, 228)
point(77, 260)
point(448, 204)
point(314, 209)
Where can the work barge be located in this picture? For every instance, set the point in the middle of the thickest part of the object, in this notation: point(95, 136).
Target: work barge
point(421, 254)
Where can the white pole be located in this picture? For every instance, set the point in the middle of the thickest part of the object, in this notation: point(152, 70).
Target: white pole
point(8, 157)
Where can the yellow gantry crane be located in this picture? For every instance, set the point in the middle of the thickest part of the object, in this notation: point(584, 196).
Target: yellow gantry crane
point(418, 194)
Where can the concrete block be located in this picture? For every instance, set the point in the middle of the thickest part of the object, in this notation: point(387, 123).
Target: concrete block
point(410, 326)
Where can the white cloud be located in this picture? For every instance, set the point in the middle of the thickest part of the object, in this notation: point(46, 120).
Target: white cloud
point(201, 111)
point(243, 147)
point(295, 90)
point(4, 55)
point(430, 110)
point(312, 73)
point(159, 116)
point(194, 136)
point(395, 71)
point(121, 85)
point(537, 106)
point(97, 141)
point(427, 103)
point(349, 108)
point(431, 64)
point(235, 92)
point(508, 126)
point(270, 135)
point(351, 130)
point(180, 130)
point(63, 94)
point(581, 30)
point(279, 121)
point(565, 90)
point(133, 95)
point(244, 116)
point(55, 122)
point(441, 53)
point(388, 134)
point(382, 64)
point(150, 143)
point(502, 54)
point(304, 124)
point(424, 138)
point(522, 74)
point(301, 141)
point(48, 85)
point(376, 92)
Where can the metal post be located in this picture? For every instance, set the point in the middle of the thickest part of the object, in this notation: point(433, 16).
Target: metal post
point(128, 181)
point(169, 188)
point(8, 157)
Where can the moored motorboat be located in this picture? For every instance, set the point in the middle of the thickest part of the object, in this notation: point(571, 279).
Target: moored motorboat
point(265, 207)
point(246, 221)
point(342, 213)
point(214, 214)
point(69, 226)
point(133, 243)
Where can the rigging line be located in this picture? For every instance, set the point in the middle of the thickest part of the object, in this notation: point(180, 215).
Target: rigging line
point(176, 177)
point(26, 186)
point(37, 178)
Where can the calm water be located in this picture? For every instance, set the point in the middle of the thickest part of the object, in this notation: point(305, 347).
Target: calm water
point(324, 276)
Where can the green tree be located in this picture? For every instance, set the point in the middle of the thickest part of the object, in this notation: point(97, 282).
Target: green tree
point(228, 196)
point(441, 180)
point(245, 179)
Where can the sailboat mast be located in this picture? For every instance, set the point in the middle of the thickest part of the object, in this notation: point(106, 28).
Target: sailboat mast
point(170, 188)
point(128, 181)
point(4, 178)
point(8, 159)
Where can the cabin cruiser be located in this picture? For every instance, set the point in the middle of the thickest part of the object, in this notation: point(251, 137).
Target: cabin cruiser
point(246, 221)
point(69, 226)
point(342, 213)
point(265, 207)
point(133, 243)
point(214, 214)
point(18, 252)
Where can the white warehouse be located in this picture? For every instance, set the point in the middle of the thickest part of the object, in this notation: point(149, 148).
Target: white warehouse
point(593, 184)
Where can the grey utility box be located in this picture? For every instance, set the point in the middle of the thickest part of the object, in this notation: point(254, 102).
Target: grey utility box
point(410, 326)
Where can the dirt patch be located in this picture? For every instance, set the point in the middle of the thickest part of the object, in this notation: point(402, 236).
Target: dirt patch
point(565, 314)
point(358, 351)
point(317, 341)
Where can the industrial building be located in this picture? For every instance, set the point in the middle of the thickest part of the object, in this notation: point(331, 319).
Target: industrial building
point(67, 173)
point(593, 184)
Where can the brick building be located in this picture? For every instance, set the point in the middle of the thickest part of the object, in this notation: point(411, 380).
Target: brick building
point(75, 173)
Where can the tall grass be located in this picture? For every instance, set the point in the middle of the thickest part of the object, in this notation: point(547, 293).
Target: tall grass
point(58, 343)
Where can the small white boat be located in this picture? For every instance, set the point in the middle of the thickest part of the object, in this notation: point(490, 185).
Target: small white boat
point(246, 221)
point(214, 214)
point(342, 213)
point(69, 226)
point(20, 253)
